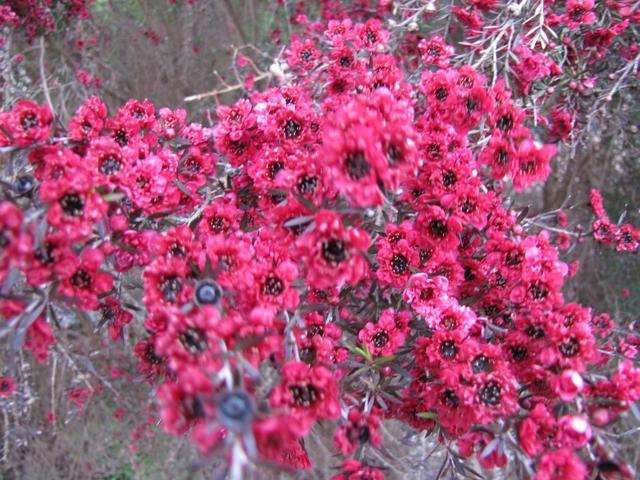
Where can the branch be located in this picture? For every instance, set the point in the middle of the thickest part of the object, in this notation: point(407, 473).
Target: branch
point(43, 77)
point(220, 91)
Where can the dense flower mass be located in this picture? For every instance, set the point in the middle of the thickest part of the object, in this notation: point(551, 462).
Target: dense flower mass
point(346, 229)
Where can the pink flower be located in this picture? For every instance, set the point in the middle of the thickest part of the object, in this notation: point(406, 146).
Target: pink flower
point(567, 385)
point(7, 386)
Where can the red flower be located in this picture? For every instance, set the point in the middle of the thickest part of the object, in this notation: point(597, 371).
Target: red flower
point(536, 430)
point(435, 51)
point(310, 393)
point(578, 12)
point(333, 254)
point(354, 470)
point(370, 35)
point(627, 238)
point(358, 430)
point(385, 336)
point(560, 464)
point(7, 386)
point(81, 279)
point(74, 206)
point(26, 124)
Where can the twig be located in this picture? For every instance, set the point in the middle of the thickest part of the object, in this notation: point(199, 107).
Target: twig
point(230, 88)
point(43, 77)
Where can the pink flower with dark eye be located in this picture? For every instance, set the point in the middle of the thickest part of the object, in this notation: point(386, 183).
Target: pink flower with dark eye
point(333, 254)
point(27, 123)
point(435, 51)
point(385, 336)
point(82, 279)
point(7, 386)
point(578, 12)
point(359, 429)
point(310, 393)
point(370, 35)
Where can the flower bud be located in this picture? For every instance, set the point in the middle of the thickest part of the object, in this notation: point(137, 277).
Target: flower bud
point(567, 385)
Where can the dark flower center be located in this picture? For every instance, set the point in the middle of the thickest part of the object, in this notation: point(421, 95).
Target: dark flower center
point(449, 178)
point(45, 254)
point(107, 314)
point(371, 36)
point(315, 329)
point(171, 286)
point(441, 93)
point(465, 81)
point(193, 408)
point(218, 224)
point(305, 55)
point(467, 206)
point(109, 164)
point(304, 395)
point(438, 228)
point(28, 121)
point(380, 339)
point(238, 147)
point(394, 154)
point(274, 168)
point(471, 104)
point(194, 340)
point(491, 393)
point(345, 61)
point(577, 13)
point(518, 353)
point(72, 204)
point(449, 322)
point(272, 286)
point(538, 291)
point(150, 355)
point(450, 398)
point(448, 349)
point(292, 129)
point(121, 137)
point(501, 157)
point(357, 165)
point(425, 255)
point(469, 274)
point(481, 364)
point(334, 251)
point(434, 150)
point(513, 258)
point(177, 250)
point(308, 354)
point(570, 348)
point(399, 264)
point(535, 331)
point(307, 184)
point(81, 279)
point(505, 123)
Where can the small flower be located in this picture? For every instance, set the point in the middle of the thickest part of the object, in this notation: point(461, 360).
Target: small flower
point(7, 386)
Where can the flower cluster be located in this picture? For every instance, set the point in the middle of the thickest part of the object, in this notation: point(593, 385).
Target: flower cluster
point(625, 237)
point(39, 17)
point(345, 230)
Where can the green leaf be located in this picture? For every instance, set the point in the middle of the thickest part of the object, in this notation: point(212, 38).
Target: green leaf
point(428, 415)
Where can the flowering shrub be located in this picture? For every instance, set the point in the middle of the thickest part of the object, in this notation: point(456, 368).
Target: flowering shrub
point(39, 17)
point(346, 230)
